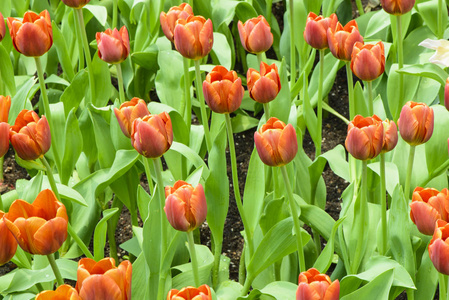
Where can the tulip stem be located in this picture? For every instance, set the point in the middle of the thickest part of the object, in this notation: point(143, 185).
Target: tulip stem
point(79, 43)
point(360, 7)
point(435, 173)
point(442, 285)
point(292, 43)
point(259, 59)
point(266, 109)
point(193, 258)
point(186, 103)
point(249, 280)
point(350, 90)
point(383, 203)
point(295, 215)
point(50, 177)
point(54, 267)
point(200, 98)
point(370, 98)
point(217, 256)
point(121, 87)
point(148, 164)
point(114, 14)
point(411, 158)
point(79, 241)
point(400, 65)
point(319, 107)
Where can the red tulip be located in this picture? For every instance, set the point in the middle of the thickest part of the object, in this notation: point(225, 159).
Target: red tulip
point(368, 61)
point(2, 27)
point(128, 112)
point(5, 104)
point(191, 293)
point(263, 87)
point(365, 137)
point(113, 45)
point(194, 37)
point(8, 243)
point(341, 39)
point(33, 36)
point(168, 20)
point(63, 292)
point(255, 35)
point(315, 33)
point(316, 286)
point(390, 135)
point(75, 3)
point(223, 90)
point(446, 94)
point(439, 247)
point(397, 7)
point(416, 123)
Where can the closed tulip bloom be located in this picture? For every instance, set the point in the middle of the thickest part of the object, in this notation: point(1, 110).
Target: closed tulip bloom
point(312, 285)
point(365, 137)
point(63, 292)
point(2, 27)
point(315, 33)
point(446, 94)
point(30, 135)
point(223, 90)
point(103, 280)
point(33, 36)
point(255, 35)
point(194, 37)
point(390, 135)
point(113, 45)
point(276, 143)
point(168, 20)
point(263, 87)
point(368, 61)
point(40, 227)
point(397, 7)
point(8, 243)
point(75, 3)
point(152, 135)
point(5, 104)
point(191, 293)
point(416, 123)
point(439, 247)
point(128, 112)
point(342, 39)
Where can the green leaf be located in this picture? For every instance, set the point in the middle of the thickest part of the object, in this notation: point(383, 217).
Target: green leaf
point(19, 101)
point(100, 233)
point(61, 49)
point(228, 290)
point(281, 290)
point(428, 70)
point(139, 278)
point(324, 261)
point(429, 12)
point(7, 71)
point(379, 288)
point(191, 156)
point(99, 12)
point(102, 77)
point(73, 147)
point(221, 52)
point(168, 83)
point(426, 278)
point(74, 94)
point(205, 264)
point(410, 87)
point(147, 59)
point(102, 135)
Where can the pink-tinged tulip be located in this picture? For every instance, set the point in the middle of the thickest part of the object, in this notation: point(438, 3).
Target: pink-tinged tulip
point(255, 35)
point(263, 87)
point(5, 104)
point(194, 37)
point(312, 285)
point(439, 247)
point(191, 293)
point(315, 33)
point(41, 227)
point(368, 61)
point(397, 7)
point(427, 206)
point(2, 27)
point(390, 135)
point(223, 90)
point(168, 20)
point(75, 3)
point(185, 206)
point(8, 243)
point(341, 39)
point(276, 143)
point(30, 135)
point(152, 135)
point(416, 123)
point(63, 292)
point(33, 36)
point(446, 94)
point(103, 280)
point(128, 112)
point(365, 137)
point(113, 45)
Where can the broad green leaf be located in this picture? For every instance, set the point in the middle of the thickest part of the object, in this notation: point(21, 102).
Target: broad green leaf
point(7, 71)
point(228, 290)
point(61, 49)
point(428, 70)
point(337, 161)
point(100, 233)
point(280, 107)
point(324, 261)
point(379, 288)
point(281, 290)
point(245, 11)
point(74, 94)
point(19, 101)
point(191, 156)
point(147, 59)
point(168, 83)
point(436, 147)
point(132, 246)
point(102, 77)
point(243, 122)
point(73, 147)
point(221, 52)
point(99, 12)
point(254, 192)
point(205, 264)
point(377, 27)
point(391, 174)
point(103, 140)
point(139, 278)
point(429, 12)
point(426, 279)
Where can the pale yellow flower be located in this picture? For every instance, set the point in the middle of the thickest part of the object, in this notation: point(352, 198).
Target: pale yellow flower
point(441, 47)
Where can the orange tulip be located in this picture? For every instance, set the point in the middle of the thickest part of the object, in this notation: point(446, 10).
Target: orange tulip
point(368, 61)
point(255, 35)
point(2, 27)
point(194, 37)
point(30, 136)
point(152, 135)
point(185, 206)
point(446, 94)
point(276, 143)
point(439, 247)
point(416, 123)
point(365, 137)
point(75, 3)
point(41, 227)
point(341, 39)
point(397, 7)
point(191, 293)
point(312, 285)
point(128, 112)
point(315, 33)
point(390, 135)
point(5, 104)
point(33, 36)
point(223, 90)
point(168, 20)
point(263, 87)
point(63, 292)
point(103, 280)
point(113, 45)
point(8, 243)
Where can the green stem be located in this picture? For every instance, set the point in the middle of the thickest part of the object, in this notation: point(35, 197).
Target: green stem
point(247, 286)
point(199, 92)
point(268, 12)
point(193, 259)
point(442, 285)
point(112, 226)
point(319, 107)
point(400, 64)
point(217, 256)
point(435, 173)
point(78, 241)
point(242, 267)
point(164, 222)
point(370, 98)
point(50, 177)
point(54, 267)
point(383, 204)
point(266, 108)
point(411, 158)
point(148, 164)
point(360, 7)
point(447, 284)
point(292, 44)
point(186, 103)
point(79, 43)
point(121, 87)
point(114, 14)
point(441, 14)
point(350, 91)
point(260, 58)
point(1, 203)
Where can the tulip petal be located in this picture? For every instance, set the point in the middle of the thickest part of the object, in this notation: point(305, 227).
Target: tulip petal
point(439, 254)
point(288, 144)
point(4, 138)
point(175, 210)
point(333, 291)
point(305, 292)
point(31, 40)
point(264, 90)
point(98, 287)
point(260, 39)
point(49, 237)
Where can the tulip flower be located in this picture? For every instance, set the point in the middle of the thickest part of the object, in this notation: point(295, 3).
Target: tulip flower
point(397, 7)
point(152, 135)
point(341, 39)
point(33, 36)
point(63, 292)
point(40, 227)
point(439, 247)
point(8, 243)
point(368, 61)
point(255, 35)
point(5, 104)
point(276, 143)
point(128, 112)
point(390, 135)
point(30, 135)
point(191, 293)
point(113, 45)
point(416, 123)
point(168, 20)
point(441, 48)
point(2, 27)
point(194, 37)
point(223, 90)
point(315, 33)
point(263, 87)
point(314, 285)
point(75, 3)
point(365, 137)
point(103, 280)
point(446, 94)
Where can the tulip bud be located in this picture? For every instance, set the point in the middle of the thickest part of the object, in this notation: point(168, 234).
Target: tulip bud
point(255, 35)
point(191, 293)
point(439, 247)
point(168, 20)
point(128, 112)
point(113, 45)
point(5, 105)
point(33, 36)
point(416, 123)
point(2, 27)
point(365, 137)
point(397, 7)
point(223, 90)
point(8, 243)
point(194, 37)
point(276, 143)
point(75, 3)
point(368, 61)
point(390, 135)
point(315, 33)
point(314, 285)
point(152, 135)
point(341, 39)
point(446, 94)
point(63, 292)
point(263, 87)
